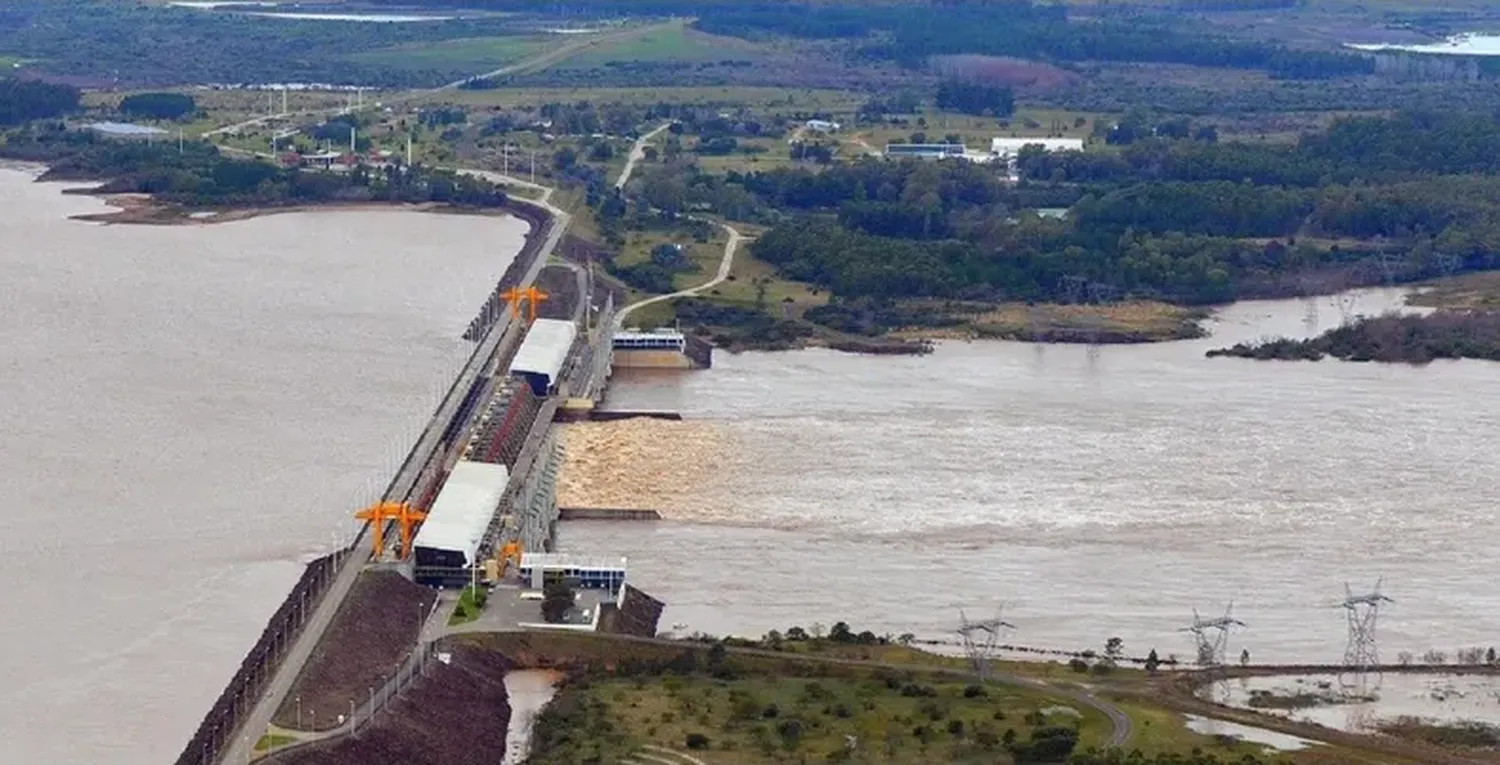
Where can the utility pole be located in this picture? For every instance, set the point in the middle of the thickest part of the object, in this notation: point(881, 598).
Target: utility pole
point(533, 166)
point(283, 100)
point(179, 142)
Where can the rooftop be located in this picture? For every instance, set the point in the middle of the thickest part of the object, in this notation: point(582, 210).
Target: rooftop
point(126, 129)
point(570, 560)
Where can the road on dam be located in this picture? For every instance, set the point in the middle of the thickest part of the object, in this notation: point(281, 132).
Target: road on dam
point(502, 334)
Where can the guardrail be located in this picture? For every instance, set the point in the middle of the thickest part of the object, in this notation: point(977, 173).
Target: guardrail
point(263, 660)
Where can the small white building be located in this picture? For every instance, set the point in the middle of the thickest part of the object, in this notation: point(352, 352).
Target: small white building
point(822, 126)
point(1009, 148)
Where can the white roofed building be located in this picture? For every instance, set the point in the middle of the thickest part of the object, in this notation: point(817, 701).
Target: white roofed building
point(544, 353)
point(460, 516)
point(1009, 148)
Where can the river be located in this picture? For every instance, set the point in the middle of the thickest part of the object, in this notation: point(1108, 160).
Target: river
point(1095, 492)
point(191, 413)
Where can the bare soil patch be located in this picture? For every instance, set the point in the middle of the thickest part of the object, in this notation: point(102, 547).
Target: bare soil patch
point(457, 715)
point(372, 633)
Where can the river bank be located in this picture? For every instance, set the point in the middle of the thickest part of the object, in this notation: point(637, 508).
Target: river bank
point(306, 350)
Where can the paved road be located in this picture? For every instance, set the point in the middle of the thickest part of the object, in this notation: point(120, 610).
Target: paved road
point(276, 690)
point(638, 153)
point(724, 267)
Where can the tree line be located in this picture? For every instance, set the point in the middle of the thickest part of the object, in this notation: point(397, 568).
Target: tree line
point(198, 174)
point(26, 100)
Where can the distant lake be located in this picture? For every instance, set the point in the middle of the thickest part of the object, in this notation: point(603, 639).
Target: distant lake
point(1457, 45)
point(227, 5)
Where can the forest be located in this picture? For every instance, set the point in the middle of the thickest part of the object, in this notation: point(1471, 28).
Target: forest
point(908, 33)
point(24, 100)
point(144, 44)
point(199, 175)
point(1183, 220)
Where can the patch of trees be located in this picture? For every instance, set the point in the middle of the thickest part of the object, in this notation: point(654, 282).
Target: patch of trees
point(199, 175)
point(158, 106)
point(148, 43)
point(976, 98)
point(1359, 149)
point(1215, 208)
point(1390, 338)
point(557, 599)
point(25, 100)
point(442, 115)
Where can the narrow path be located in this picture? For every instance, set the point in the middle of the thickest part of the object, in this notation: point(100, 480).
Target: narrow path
point(724, 267)
point(638, 153)
point(548, 58)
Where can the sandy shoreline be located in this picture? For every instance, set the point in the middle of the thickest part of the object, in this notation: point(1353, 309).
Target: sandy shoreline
point(143, 209)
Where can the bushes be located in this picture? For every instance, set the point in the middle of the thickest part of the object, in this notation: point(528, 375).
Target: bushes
point(696, 741)
point(159, 106)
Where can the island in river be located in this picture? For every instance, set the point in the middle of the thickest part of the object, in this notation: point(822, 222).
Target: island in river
point(1465, 325)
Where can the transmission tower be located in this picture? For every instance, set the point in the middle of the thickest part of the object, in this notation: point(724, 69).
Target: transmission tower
point(981, 638)
point(1212, 636)
point(1361, 656)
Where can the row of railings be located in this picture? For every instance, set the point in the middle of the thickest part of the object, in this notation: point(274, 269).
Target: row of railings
point(223, 720)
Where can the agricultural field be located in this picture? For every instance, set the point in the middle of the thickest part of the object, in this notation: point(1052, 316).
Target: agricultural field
point(672, 43)
point(474, 54)
point(806, 99)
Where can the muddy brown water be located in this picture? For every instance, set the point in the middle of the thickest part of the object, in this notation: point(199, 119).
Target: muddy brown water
point(190, 413)
point(1095, 492)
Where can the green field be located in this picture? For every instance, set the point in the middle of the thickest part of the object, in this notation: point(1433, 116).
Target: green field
point(476, 54)
point(804, 99)
point(670, 43)
point(784, 720)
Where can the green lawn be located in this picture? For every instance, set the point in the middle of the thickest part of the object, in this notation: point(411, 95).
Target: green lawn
point(807, 99)
point(672, 43)
point(272, 741)
point(478, 54)
point(753, 718)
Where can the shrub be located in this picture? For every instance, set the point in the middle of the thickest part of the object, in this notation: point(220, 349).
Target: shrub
point(974, 692)
point(770, 711)
point(696, 741)
point(955, 728)
point(1078, 665)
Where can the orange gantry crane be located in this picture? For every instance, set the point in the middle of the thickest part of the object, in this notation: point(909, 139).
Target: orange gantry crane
point(379, 513)
point(531, 296)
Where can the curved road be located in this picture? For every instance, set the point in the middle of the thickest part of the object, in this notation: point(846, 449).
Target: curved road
point(638, 153)
point(724, 266)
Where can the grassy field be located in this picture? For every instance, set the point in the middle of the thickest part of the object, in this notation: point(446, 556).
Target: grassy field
point(768, 719)
point(1130, 321)
point(976, 132)
point(272, 741)
point(668, 43)
point(477, 54)
point(792, 98)
point(1461, 293)
point(783, 298)
point(741, 705)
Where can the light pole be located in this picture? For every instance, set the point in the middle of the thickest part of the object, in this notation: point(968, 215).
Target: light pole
point(299, 713)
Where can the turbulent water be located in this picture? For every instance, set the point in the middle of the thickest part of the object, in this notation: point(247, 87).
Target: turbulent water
point(190, 413)
point(1097, 493)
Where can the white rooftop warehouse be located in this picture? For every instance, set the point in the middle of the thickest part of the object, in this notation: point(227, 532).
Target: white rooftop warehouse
point(544, 350)
point(463, 509)
point(1006, 148)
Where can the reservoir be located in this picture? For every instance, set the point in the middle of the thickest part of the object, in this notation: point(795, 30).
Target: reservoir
point(191, 413)
point(1095, 492)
